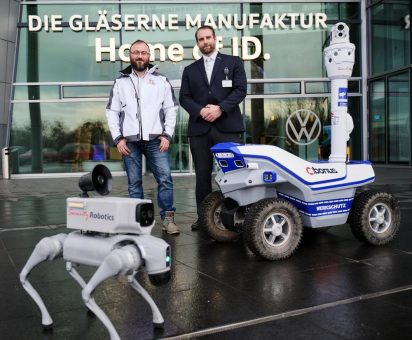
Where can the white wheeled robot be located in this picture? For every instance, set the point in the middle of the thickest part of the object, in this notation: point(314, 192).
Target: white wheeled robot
point(268, 194)
point(113, 234)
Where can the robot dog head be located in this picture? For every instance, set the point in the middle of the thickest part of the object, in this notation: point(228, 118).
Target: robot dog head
point(110, 215)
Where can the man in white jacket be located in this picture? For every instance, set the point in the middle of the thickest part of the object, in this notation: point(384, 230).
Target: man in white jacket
point(141, 114)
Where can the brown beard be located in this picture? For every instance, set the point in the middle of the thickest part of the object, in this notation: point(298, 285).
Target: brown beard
point(208, 50)
point(139, 66)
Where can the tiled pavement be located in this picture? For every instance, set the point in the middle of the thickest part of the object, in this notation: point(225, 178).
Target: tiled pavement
point(333, 287)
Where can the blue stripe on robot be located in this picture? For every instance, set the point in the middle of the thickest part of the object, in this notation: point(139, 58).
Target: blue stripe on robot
point(320, 208)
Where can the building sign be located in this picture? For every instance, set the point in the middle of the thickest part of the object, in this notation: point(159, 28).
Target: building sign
point(303, 127)
point(170, 22)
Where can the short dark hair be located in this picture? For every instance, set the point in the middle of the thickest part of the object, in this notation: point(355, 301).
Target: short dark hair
point(203, 27)
point(140, 42)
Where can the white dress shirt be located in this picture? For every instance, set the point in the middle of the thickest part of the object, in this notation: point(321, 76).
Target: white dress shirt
point(209, 62)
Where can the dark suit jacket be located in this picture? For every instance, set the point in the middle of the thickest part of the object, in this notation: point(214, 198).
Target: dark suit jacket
point(196, 93)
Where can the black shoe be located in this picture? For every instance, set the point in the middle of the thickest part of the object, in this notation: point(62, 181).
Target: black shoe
point(195, 225)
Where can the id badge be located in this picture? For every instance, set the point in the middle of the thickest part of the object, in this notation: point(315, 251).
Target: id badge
point(226, 83)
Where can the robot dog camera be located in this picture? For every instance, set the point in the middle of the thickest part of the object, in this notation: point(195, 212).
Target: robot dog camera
point(112, 234)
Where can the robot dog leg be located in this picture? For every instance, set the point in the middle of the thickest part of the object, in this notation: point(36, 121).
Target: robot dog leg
point(158, 320)
point(120, 261)
point(49, 248)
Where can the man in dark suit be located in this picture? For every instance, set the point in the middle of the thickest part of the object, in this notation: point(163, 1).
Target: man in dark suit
point(211, 91)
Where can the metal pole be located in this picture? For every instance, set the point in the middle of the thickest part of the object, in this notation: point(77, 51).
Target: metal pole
point(5, 152)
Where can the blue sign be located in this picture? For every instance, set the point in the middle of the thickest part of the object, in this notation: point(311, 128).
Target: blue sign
point(343, 93)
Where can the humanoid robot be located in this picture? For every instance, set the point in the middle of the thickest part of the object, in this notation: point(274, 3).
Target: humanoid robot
point(113, 234)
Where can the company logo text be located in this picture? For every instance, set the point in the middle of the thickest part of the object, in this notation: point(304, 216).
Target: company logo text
point(99, 216)
point(331, 207)
point(315, 171)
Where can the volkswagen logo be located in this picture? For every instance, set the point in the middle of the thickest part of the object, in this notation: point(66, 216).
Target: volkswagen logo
point(303, 127)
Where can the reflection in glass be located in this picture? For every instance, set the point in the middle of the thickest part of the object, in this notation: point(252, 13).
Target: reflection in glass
point(274, 88)
point(390, 37)
point(75, 138)
point(398, 118)
point(179, 147)
point(83, 91)
point(377, 141)
point(270, 127)
point(355, 141)
point(21, 92)
point(317, 87)
point(285, 51)
point(67, 56)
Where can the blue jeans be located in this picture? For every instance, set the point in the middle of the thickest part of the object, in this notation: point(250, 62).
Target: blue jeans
point(159, 164)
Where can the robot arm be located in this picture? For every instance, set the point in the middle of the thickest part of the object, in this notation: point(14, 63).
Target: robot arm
point(349, 126)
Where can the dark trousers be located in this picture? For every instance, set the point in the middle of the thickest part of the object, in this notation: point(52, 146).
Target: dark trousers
point(203, 158)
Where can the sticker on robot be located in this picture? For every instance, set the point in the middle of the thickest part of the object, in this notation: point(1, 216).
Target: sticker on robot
point(343, 93)
point(334, 119)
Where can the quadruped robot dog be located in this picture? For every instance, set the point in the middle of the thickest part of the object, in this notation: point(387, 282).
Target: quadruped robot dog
point(268, 194)
point(113, 234)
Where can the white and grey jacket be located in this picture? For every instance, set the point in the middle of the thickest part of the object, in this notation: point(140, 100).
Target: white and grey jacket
point(141, 108)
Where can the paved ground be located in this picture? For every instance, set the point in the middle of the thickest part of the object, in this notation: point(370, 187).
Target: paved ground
point(334, 287)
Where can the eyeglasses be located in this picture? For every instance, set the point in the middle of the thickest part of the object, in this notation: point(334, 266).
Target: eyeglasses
point(142, 53)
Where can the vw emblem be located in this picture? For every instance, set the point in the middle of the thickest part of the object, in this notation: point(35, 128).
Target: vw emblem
point(303, 127)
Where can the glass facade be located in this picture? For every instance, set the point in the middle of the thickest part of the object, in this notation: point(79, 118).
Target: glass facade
point(389, 36)
point(389, 83)
point(61, 87)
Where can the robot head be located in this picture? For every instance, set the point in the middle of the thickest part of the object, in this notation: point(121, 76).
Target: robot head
point(339, 33)
point(339, 57)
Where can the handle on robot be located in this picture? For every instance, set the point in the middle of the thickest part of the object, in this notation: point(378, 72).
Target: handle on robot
point(47, 249)
point(120, 261)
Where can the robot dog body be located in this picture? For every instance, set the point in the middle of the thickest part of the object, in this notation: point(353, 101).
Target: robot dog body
point(112, 234)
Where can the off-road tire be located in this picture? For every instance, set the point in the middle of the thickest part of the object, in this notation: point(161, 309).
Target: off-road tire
point(374, 217)
point(209, 218)
point(266, 239)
